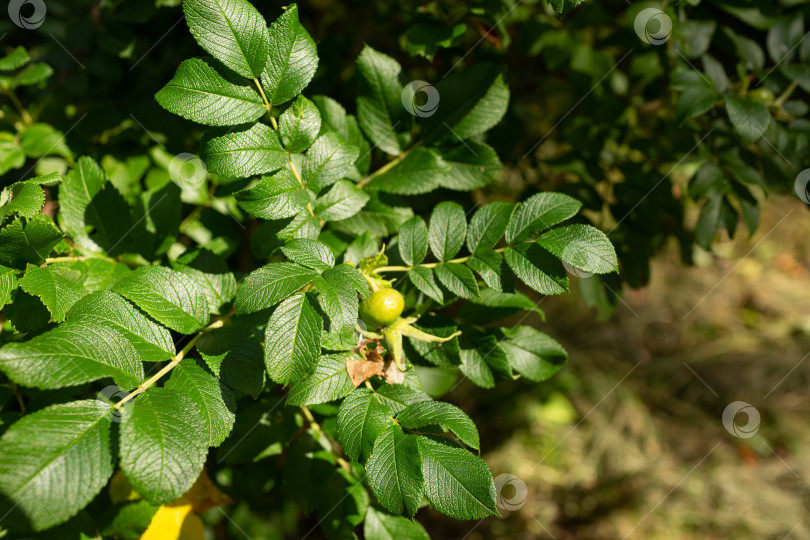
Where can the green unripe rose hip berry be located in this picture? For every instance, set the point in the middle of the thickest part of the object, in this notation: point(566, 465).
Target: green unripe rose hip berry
point(383, 307)
point(763, 95)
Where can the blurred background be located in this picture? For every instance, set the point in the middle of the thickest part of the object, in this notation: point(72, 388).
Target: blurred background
point(631, 112)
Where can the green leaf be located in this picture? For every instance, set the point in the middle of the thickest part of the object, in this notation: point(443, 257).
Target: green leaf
point(163, 444)
point(27, 197)
point(232, 31)
point(216, 402)
point(422, 279)
point(203, 92)
point(170, 297)
point(488, 225)
point(709, 221)
point(329, 381)
point(539, 212)
point(426, 413)
point(342, 201)
point(419, 172)
point(293, 58)
point(382, 216)
point(394, 471)
point(695, 100)
point(361, 418)
point(478, 351)
point(152, 342)
point(15, 59)
point(299, 125)
point(531, 353)
point(537, 268)
point(379, 100)
point(350, 276)
point(582, 246)
point(130, 520)
point(339, 298)
point(448, 228)
point(381, 526)
point(309, 253)
point(53, 462)
point(500, 304)
point(96, 273)
point(716, 72)
point(471, 165)
point(426, 39)
point(292, 340)
point(458, 279)
point(8, 284)
point(33, 74)
point(71, 354)
point(413, 241)
point(242, 153)
point(211, 275)
point(88, 202)
point(784, 37)
point(277, 196)
point(749, 117)
point(12, 155)
point(269, 285)
point(439, 354)
point(328, 160)
point(27, 313)
point(235, 357)
point(399, 396)
point(708, 179)
point(43, 139)
point(473, 101)
point(28, 240)
point(563, 7)
point(56, 291)
point(457, 483)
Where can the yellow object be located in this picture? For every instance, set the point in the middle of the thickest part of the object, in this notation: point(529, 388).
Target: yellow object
point(175, 522)
point(178, 520)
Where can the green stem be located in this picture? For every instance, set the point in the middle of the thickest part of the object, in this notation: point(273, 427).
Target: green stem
point(428, 265)
point(786, 94)
point(77, 258)
point(176, 359)
point(388, 166)
point(316, 427)
point(274, 124)
point(24, 114)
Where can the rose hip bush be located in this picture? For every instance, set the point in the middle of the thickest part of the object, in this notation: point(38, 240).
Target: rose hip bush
point(145, 366)
point(238, 270)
